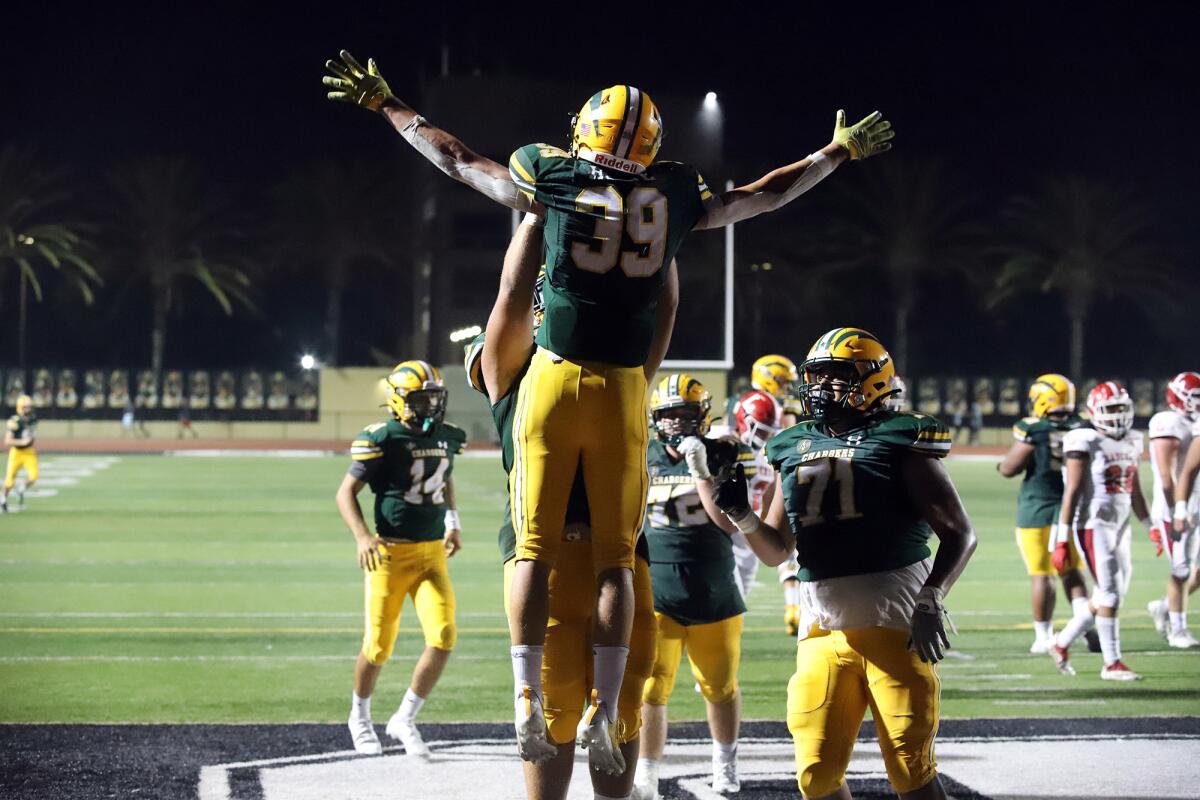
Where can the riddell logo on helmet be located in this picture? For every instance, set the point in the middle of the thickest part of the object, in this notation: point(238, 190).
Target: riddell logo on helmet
point(605, 160)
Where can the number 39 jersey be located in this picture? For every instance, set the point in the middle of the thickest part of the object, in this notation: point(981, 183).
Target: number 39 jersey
point(845, 496)
point(1108, 493)
point(607, 237)
point(407, 471)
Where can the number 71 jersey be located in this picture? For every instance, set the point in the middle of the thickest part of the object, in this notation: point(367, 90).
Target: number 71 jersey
point(845, 496)
point(607, 237)
point(407, 471)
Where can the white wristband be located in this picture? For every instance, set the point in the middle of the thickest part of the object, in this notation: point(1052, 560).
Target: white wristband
point(452, 523)
point(533, 220)
point(1181, 509)
point(748, 524)
point(1059, 533)
point(409, 131)
point(821, 163)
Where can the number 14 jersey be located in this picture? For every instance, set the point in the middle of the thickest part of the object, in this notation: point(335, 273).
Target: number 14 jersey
point(845, 496)
point(608, 236)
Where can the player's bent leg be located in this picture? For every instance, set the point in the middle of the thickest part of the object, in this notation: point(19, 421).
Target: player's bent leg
point(827, 699)
point(905, 699)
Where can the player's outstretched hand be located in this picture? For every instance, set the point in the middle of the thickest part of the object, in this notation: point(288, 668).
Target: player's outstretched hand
point(733, 495)
point(928, 638)
point(353, 84)
point(864, 139)
point(453, 541)
point(369, 555)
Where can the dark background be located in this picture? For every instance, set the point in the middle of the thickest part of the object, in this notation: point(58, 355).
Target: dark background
point(1006, 94)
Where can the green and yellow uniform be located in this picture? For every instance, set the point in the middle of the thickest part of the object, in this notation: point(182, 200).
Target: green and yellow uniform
point(863, 556)
point(1040, 495)
point(696, 598)
point(21, 426)
point(407, 471)
point(567, 658)
point(608, 236)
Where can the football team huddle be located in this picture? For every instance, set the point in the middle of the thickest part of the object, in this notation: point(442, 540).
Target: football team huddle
point(626, 544)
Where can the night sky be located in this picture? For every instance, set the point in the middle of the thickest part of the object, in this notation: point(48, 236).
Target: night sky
point(1007, 95)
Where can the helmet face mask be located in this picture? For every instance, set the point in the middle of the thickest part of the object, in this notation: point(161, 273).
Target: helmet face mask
point(847, 376)
point(832, 389)
point(673, 425)
point(416, 395)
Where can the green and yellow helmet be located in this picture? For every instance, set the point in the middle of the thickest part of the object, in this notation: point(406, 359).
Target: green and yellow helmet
point(868, 372)
point(680, 391)
point(774, 375)
point(619, 128)
point(416, 394)
point(24, 404)
point(1051, 394)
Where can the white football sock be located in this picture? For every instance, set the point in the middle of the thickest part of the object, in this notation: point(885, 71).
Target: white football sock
point(527, 667)
point(360, 707)
point(410, 706)
point(608, 670)
point(647, 773)
point(791, 594)
point(1081, 622)
point(1109, 630)
point(1043, 630)
point(1178, 620)
point(724, 752)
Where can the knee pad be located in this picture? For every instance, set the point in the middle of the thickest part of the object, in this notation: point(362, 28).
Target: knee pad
point(376, 653)
point(718, 695)
point(819, 780)
point(1107, 598)
point(442, 636)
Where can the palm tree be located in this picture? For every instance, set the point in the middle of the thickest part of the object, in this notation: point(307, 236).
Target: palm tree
point(332, 217)
point(36, 232)
point(1084, 240)
point(170, 231)
point(904, 220)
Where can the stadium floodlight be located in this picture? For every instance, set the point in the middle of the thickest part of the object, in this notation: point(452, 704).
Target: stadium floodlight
point(710, 100)
point(308, 361)
point(462, 334)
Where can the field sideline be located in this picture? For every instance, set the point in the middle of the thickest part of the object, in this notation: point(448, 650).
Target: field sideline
point(158, 589)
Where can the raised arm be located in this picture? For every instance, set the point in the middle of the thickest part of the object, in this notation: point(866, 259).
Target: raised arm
point(353, 84)
point(771, 539)
point(510, 325)
point(781, 186)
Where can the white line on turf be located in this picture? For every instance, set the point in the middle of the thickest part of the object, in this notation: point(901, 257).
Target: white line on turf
point(202, 659)
point(1050, 702)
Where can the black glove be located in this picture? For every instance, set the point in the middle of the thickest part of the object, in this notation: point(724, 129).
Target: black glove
point(733, 495)
point(722, 455)
point(928, 638)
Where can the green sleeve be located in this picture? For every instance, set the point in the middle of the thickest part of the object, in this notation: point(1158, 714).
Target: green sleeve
point(456, 439)
point(473, 362)
point(368, 445)
point(527, 164)
point(1022, 430)
point(930, 436)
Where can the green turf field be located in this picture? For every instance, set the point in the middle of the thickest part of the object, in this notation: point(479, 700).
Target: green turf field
point(165, 589)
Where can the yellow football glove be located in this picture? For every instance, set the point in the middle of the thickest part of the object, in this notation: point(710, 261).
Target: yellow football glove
point(871, 136)
point(362, 87)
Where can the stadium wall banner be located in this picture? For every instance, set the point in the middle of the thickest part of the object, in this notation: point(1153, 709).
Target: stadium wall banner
point(201, 394)
point(992, 401)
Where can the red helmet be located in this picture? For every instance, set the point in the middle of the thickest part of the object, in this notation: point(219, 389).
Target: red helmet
point(1110, 409)
point(757, 418)
point(1183, 394)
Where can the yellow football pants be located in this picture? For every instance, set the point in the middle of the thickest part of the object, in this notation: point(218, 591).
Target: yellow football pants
point(567, 660)
point(714, 651)
point(1034, 544)
point(412, 569)
point(586, 415)
point(839, 674)
point(21, 458)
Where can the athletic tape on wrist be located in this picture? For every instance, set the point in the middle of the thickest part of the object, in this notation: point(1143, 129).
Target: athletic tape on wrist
point(452, 522)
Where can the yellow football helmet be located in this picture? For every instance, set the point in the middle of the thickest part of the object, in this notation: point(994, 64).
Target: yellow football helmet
point(868, 372)
point(1050, 394)
point(618, 127)
point(774, 375)
point(24, 404)
point(680, 390)
point(416, 394)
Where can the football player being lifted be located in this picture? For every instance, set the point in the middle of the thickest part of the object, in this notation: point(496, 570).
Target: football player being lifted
point(566, 664)
point(1101, 489)
point(696, 596)
point(859, 491)
point(407, 461)
point(1038, 453)
point(19, 436)
point(615, 216)
point(1171, 433)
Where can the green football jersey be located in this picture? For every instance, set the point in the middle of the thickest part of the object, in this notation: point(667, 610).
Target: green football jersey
point(1041, 490)
point(503, 413)
point(845, 497)
point(691, 558)
point(607, 237)
point(22, 426)
point(407, 471)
